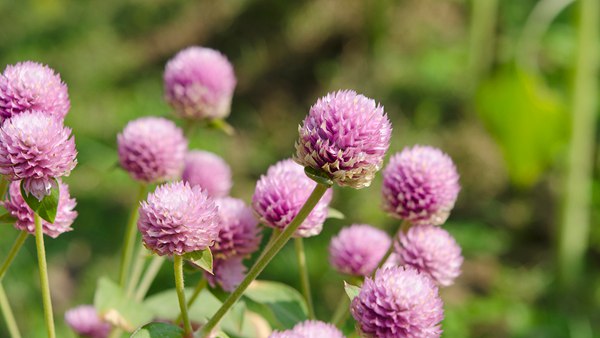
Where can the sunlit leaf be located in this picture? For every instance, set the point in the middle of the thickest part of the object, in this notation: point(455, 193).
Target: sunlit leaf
point(281, 305)
point(47, 207)
point(351, 290)
point(158, 330)
point(202, 259)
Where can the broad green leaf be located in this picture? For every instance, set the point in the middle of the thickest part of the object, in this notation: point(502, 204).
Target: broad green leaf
point(202, 259)
point(281, 305)
point(115, 307)
point(158, 330)
point(334, 213)
point(351, 290)
point(47, 207)
point(318, 176)
point(7, 218)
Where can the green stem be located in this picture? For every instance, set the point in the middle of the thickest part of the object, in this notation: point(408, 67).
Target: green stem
point(574, 228)
point(404, 226)
point(130, 236)
point(138, 268)
point(179, 286)
point(272, 250)
point(11, 323)
point(304, 280)
point(44, 284)
point(148, 278)
point(199, 287)
point(341, 312)
point(481, 38)
point(13, 252)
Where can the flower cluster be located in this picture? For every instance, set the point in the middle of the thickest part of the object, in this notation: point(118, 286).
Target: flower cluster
point(309, 329)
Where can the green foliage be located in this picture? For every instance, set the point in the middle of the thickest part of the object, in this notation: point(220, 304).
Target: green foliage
point(115, 307)
point(47, 207)
point(351, 290)
point(281, 305)
point(203, 259)
point(158, 330)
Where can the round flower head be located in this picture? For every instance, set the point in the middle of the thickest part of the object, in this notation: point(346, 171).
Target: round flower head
point(431, 250)
point(281, 193)
point(18, 208)
point(36, 148)
point(32, 86)
point(208, 171)
point(199, 83)
point(357, 249)
point(398, 302)
point(420, 184)
point(84, 320)
point(309, 329)
point(228, 274)
point(345, 135)
point(239, 234)
point(152, 149)
point(176, 219)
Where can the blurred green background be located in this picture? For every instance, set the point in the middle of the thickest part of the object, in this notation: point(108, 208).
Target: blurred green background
point(496, 84)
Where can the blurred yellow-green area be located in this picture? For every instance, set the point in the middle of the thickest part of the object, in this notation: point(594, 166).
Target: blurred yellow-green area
point(495, 84)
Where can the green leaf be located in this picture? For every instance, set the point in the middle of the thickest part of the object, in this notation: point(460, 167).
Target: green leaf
point(281, 305)
point(47, 207)
point(222, 125)
point(351, 290)
point(318, 176)
point(334, 213)
point(7, 218)
point(158, 330)
point(115, 307)
point(202, 259)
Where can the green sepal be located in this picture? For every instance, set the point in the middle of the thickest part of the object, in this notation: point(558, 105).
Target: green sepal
point(318, 176)
point(202, 259)
point(47, 207)
point(334, 213)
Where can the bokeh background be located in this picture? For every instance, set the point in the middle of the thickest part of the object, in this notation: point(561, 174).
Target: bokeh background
point(506, 88)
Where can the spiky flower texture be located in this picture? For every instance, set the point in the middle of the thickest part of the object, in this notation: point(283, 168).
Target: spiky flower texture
point(309, 329)
point(357, 249)
point(199, 83)
point(177, 219)
point(228, 273)
point(420, 184)
point(209, 171)
point(398, 302)
point(84, 320)
point(346, 136)
point(28, 86)
point(239, 234)
point(36, 148)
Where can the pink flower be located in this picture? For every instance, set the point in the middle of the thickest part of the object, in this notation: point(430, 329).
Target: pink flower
point(208, 171)
point(84, 320)
point(357, 249)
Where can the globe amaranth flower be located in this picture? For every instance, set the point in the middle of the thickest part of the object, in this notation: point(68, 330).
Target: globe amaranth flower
point(208, 171)
point(357, 249)
point(420, 184)
point(85, 321)
point(16, 206)
point(30, 86)
point(431, 250)
point(227, 273)
point(398, 302)
point(309, 329)
point(281, 193)
point(199, 83)
point(177, 219)
point(345, 135)
point(239, 234)
point(36, 148)
point(152, 149)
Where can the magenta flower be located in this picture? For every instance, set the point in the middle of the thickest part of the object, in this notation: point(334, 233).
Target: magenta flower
point(228, 273)
point(199, 83)
point(85, 321)
point(309, 329)
point(398, 302)
point(281, 193)
point(431, 250)
point(209, 171)
point(18, 208)
point(177, 219)
point(357, 249)
point(420, 184)
point(152, 149)
point(239, 234)
point(29, 86)
point(345, 135)
point(36, 148)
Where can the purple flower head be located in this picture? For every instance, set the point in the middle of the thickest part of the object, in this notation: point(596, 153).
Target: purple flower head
point(228, 273)
point(36, 148)
point(431, 250)
point(30, 86)
point(309, 329)
point(18, 208)
point(177, 218)
point(420, 184)
point(357, 249)
point(398, 302)
point(85, 321)
point(239, 234)
point(152, 149)
point(208, 171)
point(199, 83)
point(281, 193)
point(345, 135)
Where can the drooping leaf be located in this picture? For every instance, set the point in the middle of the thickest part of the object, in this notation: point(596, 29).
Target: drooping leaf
point(158, 330)
point(351, 290)
point(334, 213)
point(47, 207)
point(115, 307)
point(281, 305)
point(202, 259)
